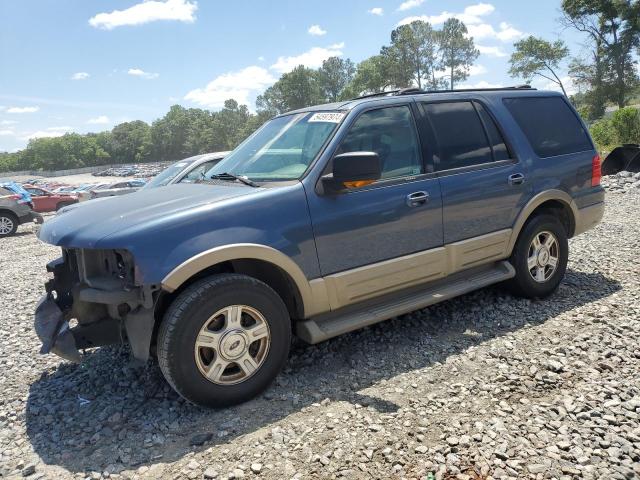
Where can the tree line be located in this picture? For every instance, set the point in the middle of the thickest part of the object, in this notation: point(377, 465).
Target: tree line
point(418, 55)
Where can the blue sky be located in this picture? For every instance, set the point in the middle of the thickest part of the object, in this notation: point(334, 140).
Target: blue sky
point(78, 65)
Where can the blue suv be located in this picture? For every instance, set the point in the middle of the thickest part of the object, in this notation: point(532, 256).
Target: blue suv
point(325, 220)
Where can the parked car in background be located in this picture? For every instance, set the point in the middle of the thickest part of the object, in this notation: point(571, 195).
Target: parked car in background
point(14, 211)
point(44, 200)
point(188, 170)
point(113, 190)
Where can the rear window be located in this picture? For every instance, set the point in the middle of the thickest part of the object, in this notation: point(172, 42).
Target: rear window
point(550, 125)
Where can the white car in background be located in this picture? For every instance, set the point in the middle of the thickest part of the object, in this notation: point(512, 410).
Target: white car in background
point(188, 170)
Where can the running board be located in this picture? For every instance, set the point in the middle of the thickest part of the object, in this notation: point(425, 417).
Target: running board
point(326, 326)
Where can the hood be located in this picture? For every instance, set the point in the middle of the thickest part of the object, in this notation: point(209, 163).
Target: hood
point(83, 225)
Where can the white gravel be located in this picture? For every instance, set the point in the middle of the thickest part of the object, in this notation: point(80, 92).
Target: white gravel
point(486, 386)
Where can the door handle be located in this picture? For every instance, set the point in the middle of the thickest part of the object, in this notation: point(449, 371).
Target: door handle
point(516, 179)
point(416, 199)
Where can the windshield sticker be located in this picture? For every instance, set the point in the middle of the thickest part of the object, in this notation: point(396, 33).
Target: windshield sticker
point(330, 117)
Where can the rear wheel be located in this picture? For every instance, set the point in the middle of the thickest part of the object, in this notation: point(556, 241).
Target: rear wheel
point(539, 257)
point(8, 224)
point(223, 340)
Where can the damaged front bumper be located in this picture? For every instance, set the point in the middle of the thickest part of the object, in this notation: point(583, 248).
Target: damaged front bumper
point(95, 291)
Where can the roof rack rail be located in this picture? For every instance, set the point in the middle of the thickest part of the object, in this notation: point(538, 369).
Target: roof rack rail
point(418, 91)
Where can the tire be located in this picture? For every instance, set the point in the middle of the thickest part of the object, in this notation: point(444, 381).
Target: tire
point(8, 224)
point(227, 312)
point(546, 229)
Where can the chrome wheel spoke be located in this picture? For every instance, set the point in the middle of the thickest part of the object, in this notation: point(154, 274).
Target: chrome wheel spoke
point(536, 243)
point(216, 369)
point(258, 332)
point(553, 262)
point(247, 364)
point(549, 241)
point(532, 262)
point(208, 339)
point(540, 276)
point(233, 315)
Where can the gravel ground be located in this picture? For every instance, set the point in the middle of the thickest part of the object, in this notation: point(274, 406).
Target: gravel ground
point(484, 386)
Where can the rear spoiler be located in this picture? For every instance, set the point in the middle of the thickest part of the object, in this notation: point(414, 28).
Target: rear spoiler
point(625, 157)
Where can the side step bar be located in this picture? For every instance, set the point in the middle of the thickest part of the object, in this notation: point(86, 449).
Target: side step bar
point(326, 326)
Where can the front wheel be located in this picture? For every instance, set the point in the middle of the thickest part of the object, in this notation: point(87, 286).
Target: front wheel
point(223, 340)
point(539, 258)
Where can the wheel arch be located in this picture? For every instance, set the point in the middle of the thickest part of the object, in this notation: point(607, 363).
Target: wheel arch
point(259, 261)
point(556, 202)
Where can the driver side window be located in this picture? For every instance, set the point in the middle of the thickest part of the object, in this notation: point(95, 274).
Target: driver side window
point(390, 132)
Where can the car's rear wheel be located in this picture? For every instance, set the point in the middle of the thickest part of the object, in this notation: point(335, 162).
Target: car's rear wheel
point(539, 257)
point(223, 340)
point(8, 224)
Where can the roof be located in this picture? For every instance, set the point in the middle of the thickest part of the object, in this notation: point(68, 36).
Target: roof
point(414, 93)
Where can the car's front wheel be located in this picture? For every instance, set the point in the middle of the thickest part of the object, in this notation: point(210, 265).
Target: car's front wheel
point(223, 340)
point(8, 224)
point(539, 257)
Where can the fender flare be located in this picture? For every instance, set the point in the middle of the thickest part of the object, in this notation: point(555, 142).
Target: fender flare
point(535, 202)
point(311, 297)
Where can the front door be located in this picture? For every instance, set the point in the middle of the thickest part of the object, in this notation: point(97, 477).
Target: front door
point(396, 216)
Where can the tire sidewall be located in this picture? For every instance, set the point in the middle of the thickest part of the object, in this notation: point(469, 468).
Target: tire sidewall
point(194, 309)
point(14, 219)
point(526, 283)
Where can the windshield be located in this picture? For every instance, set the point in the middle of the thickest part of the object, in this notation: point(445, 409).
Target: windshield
point(168, 174)
point(282, 149)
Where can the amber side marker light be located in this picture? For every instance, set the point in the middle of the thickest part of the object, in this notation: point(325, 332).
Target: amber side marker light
point(358, 183)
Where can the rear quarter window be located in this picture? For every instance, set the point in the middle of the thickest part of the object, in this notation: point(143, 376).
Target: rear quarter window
point(550, 125)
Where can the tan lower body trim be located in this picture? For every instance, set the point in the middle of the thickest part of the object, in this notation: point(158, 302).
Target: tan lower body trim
point(370, 281)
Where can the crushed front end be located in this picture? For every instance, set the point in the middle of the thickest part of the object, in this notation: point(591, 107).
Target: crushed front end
point(94, 299)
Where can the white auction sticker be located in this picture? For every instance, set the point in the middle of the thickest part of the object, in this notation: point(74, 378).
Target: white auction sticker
point(331, 117)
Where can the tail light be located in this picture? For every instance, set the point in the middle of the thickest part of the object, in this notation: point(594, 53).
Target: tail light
point(596, 171)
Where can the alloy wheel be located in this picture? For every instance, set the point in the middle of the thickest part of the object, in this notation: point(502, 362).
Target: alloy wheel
point(543, 257)
point(6, 225)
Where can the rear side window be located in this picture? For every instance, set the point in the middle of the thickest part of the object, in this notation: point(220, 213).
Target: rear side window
point(550, 125)
point(500, 150)
point(461, 138)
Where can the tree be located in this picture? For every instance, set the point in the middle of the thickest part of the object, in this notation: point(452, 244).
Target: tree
point(334, 76)
point(457, 51)
point(613, 27)
point(372, 76)
point(130, 140)
point(412, 55)
point(296, 89)
point(535, 56)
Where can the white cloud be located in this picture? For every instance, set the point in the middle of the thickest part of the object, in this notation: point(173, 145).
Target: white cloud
point(237, 85)
point(8, 122)
point(48, 133)
point(145, 12)
point(261, 58)
point(409, 4)
point(472, 16)
point(476, 70)
point(316, 31)
point(100, 120)
point(7, 133)
point(22, 109)
point(491, 51)
point(80, 76)
point(553, 86)
point(481, 84)
point(312, 58)
point(379, 11)
point(137, 72)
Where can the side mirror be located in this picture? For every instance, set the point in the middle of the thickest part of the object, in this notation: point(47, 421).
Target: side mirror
point(353, 170)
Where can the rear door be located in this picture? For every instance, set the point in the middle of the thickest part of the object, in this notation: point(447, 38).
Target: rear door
point(483, 185)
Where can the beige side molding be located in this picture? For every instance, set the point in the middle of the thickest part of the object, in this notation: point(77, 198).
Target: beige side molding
point(534, 203)
point(312, 298)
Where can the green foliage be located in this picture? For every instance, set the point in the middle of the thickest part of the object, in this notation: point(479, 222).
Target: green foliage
point(334, 76)
point(626, 125)
point(457, 51)
point(538, 57)
point(623, 126)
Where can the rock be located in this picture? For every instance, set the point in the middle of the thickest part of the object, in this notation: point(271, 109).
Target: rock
point(256, 467)
point(210, 473)
point(200, 439)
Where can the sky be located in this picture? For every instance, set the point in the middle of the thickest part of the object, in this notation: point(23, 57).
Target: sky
point(85, 66)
